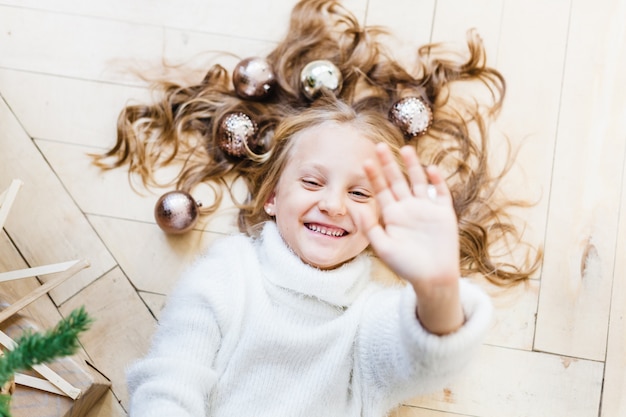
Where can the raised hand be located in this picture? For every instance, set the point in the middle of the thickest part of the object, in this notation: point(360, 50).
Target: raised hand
point(417, 234)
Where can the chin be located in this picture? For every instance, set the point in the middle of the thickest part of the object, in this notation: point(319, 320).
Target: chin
point(327, 264)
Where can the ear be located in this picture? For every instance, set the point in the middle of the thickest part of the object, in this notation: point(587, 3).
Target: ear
point(270, 204)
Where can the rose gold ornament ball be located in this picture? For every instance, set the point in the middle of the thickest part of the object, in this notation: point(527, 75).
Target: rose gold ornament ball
point(253, 78)
point(320, 74)
point(412, 115)
point(236, 131)
point(176, 212)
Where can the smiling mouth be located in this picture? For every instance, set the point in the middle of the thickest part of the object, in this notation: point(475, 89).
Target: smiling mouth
point(327, 231)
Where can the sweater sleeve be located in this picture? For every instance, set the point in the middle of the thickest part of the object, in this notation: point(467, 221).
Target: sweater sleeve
point(400, 359)
point(175, 379)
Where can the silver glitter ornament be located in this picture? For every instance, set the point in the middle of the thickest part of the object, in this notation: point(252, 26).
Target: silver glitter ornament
point(253, 78)
point(176, 212)
point(236, 131)
point(412, 115)
point(320, 74)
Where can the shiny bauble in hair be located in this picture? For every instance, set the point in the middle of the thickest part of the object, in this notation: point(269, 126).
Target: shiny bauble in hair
point(320, 74)
point(235, 132)
point(176, 212)
point(254, 78)
point(412, 115)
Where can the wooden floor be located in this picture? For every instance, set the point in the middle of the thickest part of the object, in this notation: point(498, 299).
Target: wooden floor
point(558, 347)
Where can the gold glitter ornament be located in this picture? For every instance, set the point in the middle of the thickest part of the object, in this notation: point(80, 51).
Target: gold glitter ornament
point(176, 212)
point(412, 115)
point(320, 74)
point(235, 132)
point(254, 78)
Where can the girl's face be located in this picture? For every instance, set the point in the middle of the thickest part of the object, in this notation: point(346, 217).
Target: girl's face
point(322, 192)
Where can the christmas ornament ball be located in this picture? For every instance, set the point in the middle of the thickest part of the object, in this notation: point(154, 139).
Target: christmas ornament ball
point(412, 115)
point(176, 212)
point(253, 78)
point(320, 74)
point(237, 130)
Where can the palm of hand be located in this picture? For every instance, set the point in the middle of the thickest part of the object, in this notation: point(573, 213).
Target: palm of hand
point(417, 235)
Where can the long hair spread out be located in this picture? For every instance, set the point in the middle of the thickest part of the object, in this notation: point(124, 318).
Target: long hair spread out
point(182, 125)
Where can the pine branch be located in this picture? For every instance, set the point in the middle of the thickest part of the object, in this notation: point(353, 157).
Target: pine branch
point(38, 348)
point(5, 404)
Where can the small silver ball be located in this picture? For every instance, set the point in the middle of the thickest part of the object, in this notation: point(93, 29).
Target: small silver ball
point(320, 74)
point(176, 212)
point(254, 79)
point(412, 115)
point(236, 131)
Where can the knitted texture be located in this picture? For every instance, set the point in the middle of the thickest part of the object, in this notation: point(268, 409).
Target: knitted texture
point(251, 330)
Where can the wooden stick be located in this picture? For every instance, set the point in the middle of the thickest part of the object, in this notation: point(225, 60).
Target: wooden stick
point(37, 383)
point(45, 288)
point(7, 200)
point(70, 390)
point(36, 271)
point(17, 183)
point(58, 381)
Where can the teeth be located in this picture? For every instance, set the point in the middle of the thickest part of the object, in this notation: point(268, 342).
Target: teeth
point(326, 231)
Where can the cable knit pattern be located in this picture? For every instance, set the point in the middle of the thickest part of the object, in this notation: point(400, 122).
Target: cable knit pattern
point(251, 330)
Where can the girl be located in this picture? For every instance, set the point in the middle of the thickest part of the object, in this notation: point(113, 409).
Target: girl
point(291, 323)
point(287, 318)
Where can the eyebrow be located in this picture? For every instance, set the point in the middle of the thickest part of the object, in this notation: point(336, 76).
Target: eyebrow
point(358, 177)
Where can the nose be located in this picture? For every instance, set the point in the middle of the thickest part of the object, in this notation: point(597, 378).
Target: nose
point(333, 203)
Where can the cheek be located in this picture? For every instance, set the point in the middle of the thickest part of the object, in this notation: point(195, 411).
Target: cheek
point(374, 208)
point(366, 213)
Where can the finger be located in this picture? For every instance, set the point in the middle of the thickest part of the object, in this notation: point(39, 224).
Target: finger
point(436, 179)
point(376, 234)
point(375, 175)
point(415, 171)
point(373, 229)
point(379, 239)
point(393, 173)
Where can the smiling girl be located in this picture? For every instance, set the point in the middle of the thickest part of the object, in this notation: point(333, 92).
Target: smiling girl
point(288, 318)
point(291, 323)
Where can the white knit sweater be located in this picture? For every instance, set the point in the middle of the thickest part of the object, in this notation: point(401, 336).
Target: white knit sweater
point(250, 330)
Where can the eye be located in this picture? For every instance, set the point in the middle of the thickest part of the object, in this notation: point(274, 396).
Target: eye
point(360, 195)
point(311, 183)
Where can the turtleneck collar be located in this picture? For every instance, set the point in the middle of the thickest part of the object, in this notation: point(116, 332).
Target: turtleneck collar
point(285, 269)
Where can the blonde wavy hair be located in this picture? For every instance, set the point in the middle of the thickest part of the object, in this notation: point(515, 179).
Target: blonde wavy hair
point(182, 126)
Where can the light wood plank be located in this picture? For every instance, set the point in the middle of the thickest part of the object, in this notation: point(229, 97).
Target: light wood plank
point(453, 19)
point(190, 54)
point(408, 30)
point(46, 232)
point(155, 302)
point(81, 47)
point(580, 241)
point(121, 330)
point(531, 56)
point(65, 109)
point(514, 318)
point(153, 267)
point(239, 17)
point(406, 411)
point(614, 394)
point(515, 383)
point(107, 406)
